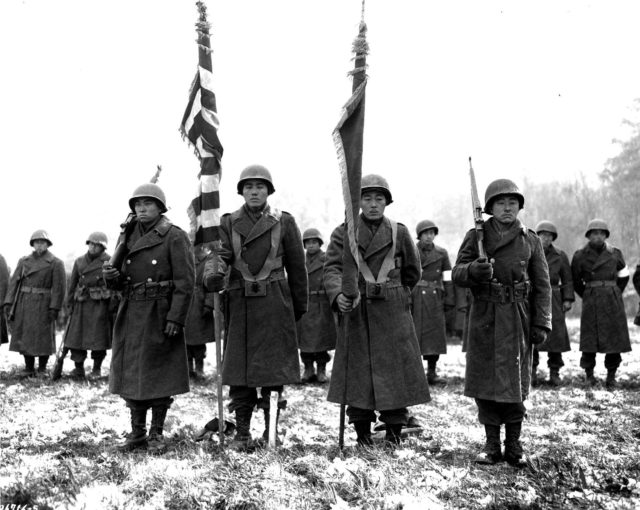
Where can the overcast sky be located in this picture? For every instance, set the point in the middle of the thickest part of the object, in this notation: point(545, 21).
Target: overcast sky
point(93, 92)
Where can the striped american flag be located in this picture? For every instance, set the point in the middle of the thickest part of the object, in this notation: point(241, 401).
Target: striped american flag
point(200, 127)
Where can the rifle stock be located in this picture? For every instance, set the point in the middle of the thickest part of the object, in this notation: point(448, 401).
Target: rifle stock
point(121, 250)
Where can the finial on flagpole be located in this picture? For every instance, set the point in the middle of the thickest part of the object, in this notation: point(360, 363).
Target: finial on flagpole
point(362, 13)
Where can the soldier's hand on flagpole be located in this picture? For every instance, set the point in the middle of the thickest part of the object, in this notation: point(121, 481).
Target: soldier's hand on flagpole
point(538, 336)
point(109, 272)
point(566, 305)
point(345, 304)
point(172, 329)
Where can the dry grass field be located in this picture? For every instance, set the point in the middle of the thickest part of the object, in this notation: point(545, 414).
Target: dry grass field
point(582, 444)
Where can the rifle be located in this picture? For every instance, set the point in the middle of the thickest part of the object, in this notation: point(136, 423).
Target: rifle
point(12, 311)
point(217, 332)
point(477, 212)
point(61, 354)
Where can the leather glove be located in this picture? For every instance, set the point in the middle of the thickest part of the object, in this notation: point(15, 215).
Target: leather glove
point(109, 272)
point(172, 329)
point(214, 282)
point(53, 314)
point(207, 311)
point(538, 335)
point(566, 305)
point(481, 270)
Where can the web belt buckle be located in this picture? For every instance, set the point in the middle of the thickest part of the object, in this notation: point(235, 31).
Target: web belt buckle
point(255, 289)
point(376, 290)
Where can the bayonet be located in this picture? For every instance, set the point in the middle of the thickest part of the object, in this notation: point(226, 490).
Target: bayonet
point(477, 211)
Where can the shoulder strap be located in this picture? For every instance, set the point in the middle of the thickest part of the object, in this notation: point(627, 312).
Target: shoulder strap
point(272, 262)
point(387, 264)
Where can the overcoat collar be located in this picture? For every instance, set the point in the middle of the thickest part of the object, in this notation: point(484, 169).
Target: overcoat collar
point(242, 224)
point(603, 257)
point(33, 264)
point(315, 262)
point(153, 237)
point(505, 238)
point(86, 264)
point(429, 256)
point(371, 243)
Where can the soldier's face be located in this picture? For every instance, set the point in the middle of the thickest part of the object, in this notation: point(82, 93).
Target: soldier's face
point(597, 237)
point(255, 192)
point(546, 238)
point(428, 236)
point(147, 210)
point(312, 246)
point(505, 209)
point(40, 246)
point(95, 248)
point(373, 204)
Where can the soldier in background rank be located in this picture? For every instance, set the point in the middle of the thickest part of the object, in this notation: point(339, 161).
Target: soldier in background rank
point(316, 329)
point(600, 275)
point(4, 284)
point(33, 302)
point(561, 302)
point(91, 306)
point(432, 296)
point(198, 329)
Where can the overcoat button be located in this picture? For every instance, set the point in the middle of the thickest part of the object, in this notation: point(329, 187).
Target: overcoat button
point(522, 262)
point(495, 280)
point(128, 261)
point(154, 262)
point(424, 291)
point(149, 279)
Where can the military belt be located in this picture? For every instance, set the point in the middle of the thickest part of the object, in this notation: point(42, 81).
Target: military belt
point(35, 290)
point(503, 294)
point(317, 292)
point(555, 287)
point(260, 285)
point(430, 284)
point(149, 291)
point(600, 283)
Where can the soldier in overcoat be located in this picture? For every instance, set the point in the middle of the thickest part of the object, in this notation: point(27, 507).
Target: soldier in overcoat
point(199, 328)
point(37, 286)
point(600, 275)
point(316, 329)
point(377, 364)
point(149, 354)
point(4, 284)
point(266, 296)
point(431, 298)
point(562, 298)
point(91, 305)
point(510, 311)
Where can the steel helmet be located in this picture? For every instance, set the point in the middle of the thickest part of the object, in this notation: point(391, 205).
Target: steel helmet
point(312, 233)
point(597, 224)
point(547, 226)
point(148, 190)
point(98, 238)
point(501, 187)
point(374, 182)
point(40, 235)
point(425, 225)
point(256, 172)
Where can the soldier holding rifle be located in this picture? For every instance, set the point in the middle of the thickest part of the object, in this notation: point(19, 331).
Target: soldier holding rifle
point(153, 267)
point(377, 365)
point(503, 264)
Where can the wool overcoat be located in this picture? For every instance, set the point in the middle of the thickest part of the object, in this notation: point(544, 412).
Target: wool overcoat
point(43, 287)
point(261, 347)
point(603, 323)
point(198, 329)
point(377, 359)
point(90, 303)
point(561, 290)
point(317, 328)
point(4, 284)
point(157, 279)
point(498, 343)
point(429, 297)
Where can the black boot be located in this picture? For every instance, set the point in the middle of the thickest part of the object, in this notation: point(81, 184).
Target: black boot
point(199, 369)
point(242, 439)
point(393, 434)
point(309, 373)
point(156, 443)
point(534, 376)
point(363, 431)
point(78, 372)
point(432, 375)
point(554, 377)
point(29, 366)
point(321, 375)
point(491, 452)
point(97, 367)
point(137, 438)
point(611, 378)
point(192, 369)
point(512, 447)
point(42, 364)
point(589, 377)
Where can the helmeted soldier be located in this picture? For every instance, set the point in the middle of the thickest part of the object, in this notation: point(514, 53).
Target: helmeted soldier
point(600, 275)
point(199, 328)
point(33, 302)
point(561, 302)
point(510, 310)
point(316, 329)
point(432, 296)
point(91, 306)
point(4, 284)
point(377, 365)
point(266, 296)
point(149, 356)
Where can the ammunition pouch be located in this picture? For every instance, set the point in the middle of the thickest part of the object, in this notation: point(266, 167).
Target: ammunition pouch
point(503, 294)
point(35, 290)
point(376, 290)
point(149, 291)
point(600, 283)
